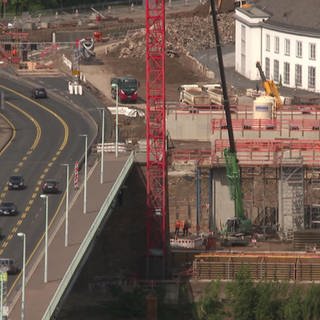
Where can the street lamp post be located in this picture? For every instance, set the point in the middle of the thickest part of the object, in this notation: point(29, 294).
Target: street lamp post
point(102, 145)
point(67, 206)
point(85, 173)
point(44, 196)
point(117, 119)
point(23, 235)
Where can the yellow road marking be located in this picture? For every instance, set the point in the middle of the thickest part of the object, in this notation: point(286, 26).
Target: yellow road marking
point(62, 146)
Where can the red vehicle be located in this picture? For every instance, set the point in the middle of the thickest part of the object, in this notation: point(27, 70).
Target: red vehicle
point(127, 88)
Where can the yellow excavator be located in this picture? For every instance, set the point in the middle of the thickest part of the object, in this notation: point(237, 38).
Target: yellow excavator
point(270, 87)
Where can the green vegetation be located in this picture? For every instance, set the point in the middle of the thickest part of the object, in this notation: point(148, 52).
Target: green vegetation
point(246, 300)
point(241, 299)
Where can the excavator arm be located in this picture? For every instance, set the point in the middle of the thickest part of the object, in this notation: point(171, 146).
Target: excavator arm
point(270, 87)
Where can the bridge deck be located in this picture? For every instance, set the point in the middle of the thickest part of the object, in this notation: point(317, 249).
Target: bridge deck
point(39, 295)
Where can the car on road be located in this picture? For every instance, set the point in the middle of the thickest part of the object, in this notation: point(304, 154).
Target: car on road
point(50, 186)
point(39, 93)
point(8, 208)
point(9, 266)
point(16, 183)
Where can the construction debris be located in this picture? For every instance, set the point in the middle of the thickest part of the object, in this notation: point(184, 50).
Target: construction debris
point(183, 35)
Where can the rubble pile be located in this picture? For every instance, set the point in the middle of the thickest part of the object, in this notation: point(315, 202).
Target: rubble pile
point(183, 35)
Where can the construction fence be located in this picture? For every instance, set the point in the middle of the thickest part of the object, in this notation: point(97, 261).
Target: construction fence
point(283, 266)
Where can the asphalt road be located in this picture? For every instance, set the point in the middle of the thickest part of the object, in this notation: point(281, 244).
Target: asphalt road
point(46, 134)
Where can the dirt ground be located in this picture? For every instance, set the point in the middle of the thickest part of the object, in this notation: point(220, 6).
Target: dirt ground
point(107, 66)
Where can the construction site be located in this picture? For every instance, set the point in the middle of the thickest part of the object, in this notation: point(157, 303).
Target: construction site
point(243, 165)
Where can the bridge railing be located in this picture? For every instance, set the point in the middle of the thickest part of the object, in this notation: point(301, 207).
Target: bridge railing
point(103, 214)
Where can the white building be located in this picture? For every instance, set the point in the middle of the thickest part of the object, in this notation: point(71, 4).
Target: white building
point(284, 36)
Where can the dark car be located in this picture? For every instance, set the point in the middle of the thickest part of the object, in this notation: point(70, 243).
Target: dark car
point(8, 208)
point(16, 183)
point(50, 186)
point(39, 93)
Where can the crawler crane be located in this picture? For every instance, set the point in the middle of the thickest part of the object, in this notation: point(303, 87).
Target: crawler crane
point(238, 225)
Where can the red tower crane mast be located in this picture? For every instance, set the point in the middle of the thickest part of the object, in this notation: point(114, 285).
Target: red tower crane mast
point(156, 163)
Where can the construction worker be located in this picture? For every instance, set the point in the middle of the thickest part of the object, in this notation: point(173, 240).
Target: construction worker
point(186, 227)
point(177, 228)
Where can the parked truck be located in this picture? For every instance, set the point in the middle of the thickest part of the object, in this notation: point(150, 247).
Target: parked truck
point(126, 87)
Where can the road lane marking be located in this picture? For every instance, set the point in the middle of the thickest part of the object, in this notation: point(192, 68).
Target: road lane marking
point(60, 149)
point(13, 130)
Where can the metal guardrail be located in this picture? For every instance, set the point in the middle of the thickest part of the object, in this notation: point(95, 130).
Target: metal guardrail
point(86, 242)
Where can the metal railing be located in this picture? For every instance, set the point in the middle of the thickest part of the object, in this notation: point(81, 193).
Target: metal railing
point(103, 214)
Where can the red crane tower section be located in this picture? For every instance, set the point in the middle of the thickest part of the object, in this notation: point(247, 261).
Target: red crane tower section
point(155, 129)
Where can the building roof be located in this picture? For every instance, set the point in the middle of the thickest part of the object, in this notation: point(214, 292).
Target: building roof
point(300, 14)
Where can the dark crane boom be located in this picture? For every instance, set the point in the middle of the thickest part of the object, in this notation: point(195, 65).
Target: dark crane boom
point(239, 223)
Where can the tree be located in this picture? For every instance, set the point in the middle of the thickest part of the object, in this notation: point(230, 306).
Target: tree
point(311, 303)
point(210, 306)
point(292, 309)
point(242, 295)
point(269, 301)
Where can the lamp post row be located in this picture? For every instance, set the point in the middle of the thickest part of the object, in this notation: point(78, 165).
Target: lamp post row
point(45, 197)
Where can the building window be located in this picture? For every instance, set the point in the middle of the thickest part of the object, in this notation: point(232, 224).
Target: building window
point(243, 38)
point(243, 49)
point(299, 49)
point(298, 76)
point(276, 45)
point(311, 77)
point(287, 47)
point(286, 73)
point(267, 68)
point(312, 51)
point(276, 70)
point(268, 42)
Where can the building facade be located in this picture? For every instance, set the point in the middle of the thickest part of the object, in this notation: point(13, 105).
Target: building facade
point(287, 45)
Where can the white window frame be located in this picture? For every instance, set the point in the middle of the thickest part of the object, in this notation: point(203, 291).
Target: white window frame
point(286, 73)
point(311, 77)
point(267, 67)
point(267, 42)
point(299, 49)
point(298, 75)
point(312, 51)
point(276, 70)
point(276, 45)
point(287, 47)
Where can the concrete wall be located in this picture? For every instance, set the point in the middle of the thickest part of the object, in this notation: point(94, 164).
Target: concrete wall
point(189, 126)
point(223, 206)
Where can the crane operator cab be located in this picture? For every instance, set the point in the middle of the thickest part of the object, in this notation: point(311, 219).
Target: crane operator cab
point(237, 226)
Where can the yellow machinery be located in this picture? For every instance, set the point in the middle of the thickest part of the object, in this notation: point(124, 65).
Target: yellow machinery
point(270, 87)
